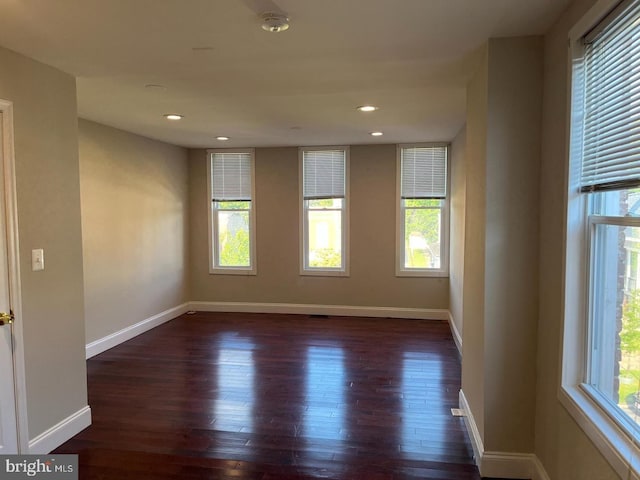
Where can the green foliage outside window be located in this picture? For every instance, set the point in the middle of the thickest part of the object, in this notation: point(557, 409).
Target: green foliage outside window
point(422, 225)
point(422, 202)
point(234, 239)
point(326, 258)
point(235, 250)
point(423, 222)
point(237, 205)
point(630, 347)
point(630, 334)
point(325, 203)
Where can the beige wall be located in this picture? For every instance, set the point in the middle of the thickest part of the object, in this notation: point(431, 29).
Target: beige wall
point(458, 187)
point(511, 256)
point(502, 263)
point(372, 280)
point(563, 448)
point(474, 246)
point(48, 194)
point(134, 226)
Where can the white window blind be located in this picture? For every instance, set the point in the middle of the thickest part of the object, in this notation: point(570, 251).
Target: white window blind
point(424, 172)
point(323, 174)
point(611, 128)
point(231, 176)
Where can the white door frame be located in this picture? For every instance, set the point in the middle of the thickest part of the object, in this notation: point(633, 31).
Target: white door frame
point(13, 257)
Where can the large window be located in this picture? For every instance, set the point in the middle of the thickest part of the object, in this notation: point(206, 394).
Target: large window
point(324, 197)
point(422, 232)
point(613, 360)
point(601, 345)
point(232, 219)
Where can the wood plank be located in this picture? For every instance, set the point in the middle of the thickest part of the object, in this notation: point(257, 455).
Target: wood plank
point(265, 396)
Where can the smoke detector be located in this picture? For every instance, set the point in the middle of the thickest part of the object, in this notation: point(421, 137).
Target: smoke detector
point(274, 22)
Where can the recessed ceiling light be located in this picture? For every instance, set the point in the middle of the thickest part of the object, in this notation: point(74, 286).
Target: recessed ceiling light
point(222, 138)
point(173, 116)
point(376, 134)
point(367, 108)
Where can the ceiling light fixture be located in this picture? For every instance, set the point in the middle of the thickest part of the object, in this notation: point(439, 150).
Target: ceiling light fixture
point(376, 134)
point(222, 138)
point(274, 22)
point(173, 116)
point(367, 108)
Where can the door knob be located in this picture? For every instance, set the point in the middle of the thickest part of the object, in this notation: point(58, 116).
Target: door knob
point(6, 318)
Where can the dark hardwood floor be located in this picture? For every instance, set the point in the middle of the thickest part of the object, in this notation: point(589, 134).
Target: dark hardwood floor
point(247, 396)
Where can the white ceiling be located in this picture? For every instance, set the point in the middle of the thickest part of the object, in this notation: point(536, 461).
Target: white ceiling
point(227, 76)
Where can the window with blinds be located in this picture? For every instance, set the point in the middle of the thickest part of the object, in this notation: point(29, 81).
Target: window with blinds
point(424, 172)
point(603, 222)
point(324, 173)
point(324, 187)
point(232, 219)
point(611, 91)
point(422, 230)
point(231, 176)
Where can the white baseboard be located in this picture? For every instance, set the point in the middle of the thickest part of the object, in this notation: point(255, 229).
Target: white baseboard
point(539, 473)
point(457, 337)
point(472, 429)
point(308, 309)
point(116, 338)
point(500, 464)
point(61, 432)
point(507, 465)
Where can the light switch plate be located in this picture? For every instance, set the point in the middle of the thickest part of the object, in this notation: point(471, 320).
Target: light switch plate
point(37, 259)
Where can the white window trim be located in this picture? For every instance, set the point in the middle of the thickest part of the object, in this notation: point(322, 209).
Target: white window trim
point(213, 269)
point(314, 271)
point(600, 425)
point(401, 271)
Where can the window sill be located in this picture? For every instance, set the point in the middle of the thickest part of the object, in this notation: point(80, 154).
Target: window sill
point(422, 273)
point(614, 444)
point(231, 271)
point(324, 273)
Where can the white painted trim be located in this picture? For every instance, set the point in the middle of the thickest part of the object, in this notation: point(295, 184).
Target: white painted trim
point(590, 19)
point(127, 333)
point(443, 271)
point(607, 436)
point(13, 258)
point(98, 346)
point(507, 465)
point(457, 337)
point(600, 426)
point(472, 429)
point(539, 473)
point(303, 227)
point(213, 218)
point(61, 432)
point(500, 464)
point(307, 309)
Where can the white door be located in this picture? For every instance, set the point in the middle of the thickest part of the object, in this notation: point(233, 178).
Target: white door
point(8, 420)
